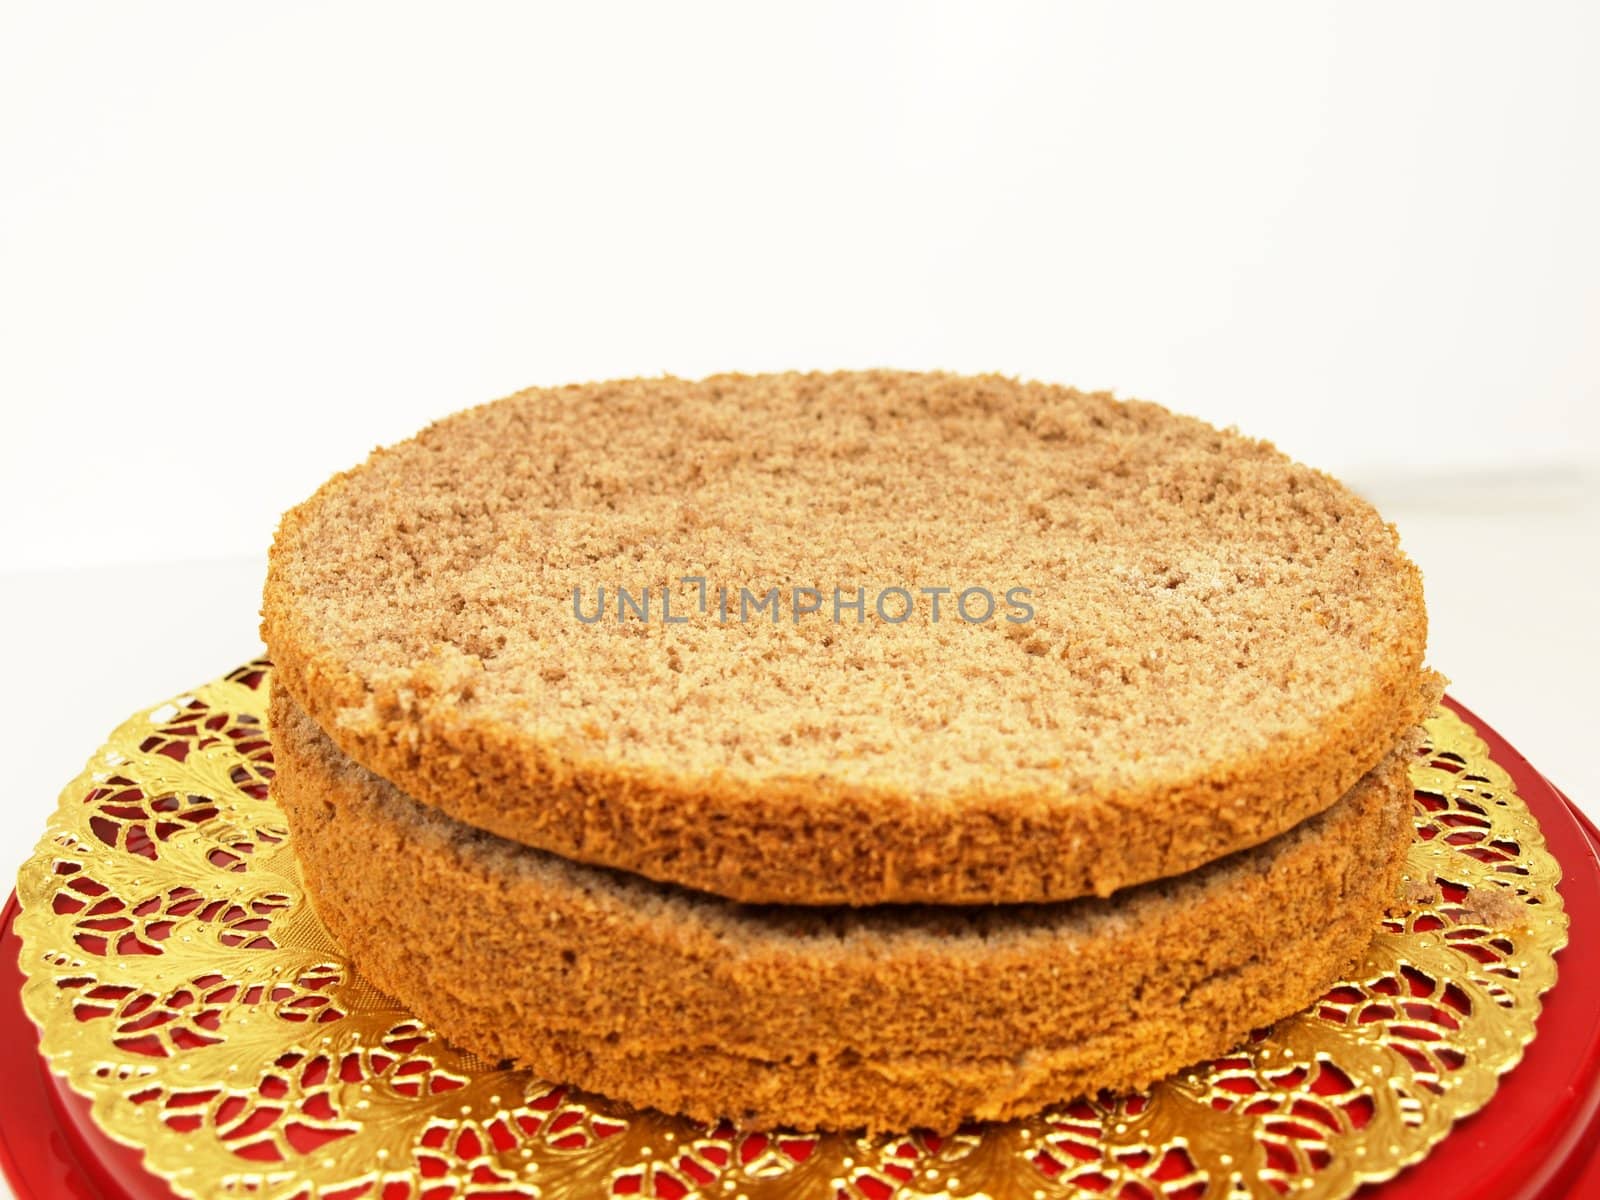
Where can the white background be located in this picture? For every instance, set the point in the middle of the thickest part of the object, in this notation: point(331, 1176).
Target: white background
point(240, 245)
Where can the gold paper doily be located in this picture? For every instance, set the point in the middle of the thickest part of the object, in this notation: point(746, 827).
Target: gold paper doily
point(180, 981)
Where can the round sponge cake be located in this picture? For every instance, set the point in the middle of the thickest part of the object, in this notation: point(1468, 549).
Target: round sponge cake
point(885, 637)
point(891, 1017)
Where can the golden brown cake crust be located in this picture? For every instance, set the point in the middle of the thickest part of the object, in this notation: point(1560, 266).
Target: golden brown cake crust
point(891, 1018)
point(1223, 640)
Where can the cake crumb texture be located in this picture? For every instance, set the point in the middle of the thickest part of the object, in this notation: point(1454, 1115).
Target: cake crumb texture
point(1223, 640)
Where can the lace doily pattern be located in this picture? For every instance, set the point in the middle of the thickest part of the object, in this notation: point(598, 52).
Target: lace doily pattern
point(181, 981)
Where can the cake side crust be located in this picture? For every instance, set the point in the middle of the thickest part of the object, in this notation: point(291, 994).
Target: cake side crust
point(828, 1018)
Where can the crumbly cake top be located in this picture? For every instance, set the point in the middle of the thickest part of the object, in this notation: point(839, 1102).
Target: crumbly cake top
point(1192, 596)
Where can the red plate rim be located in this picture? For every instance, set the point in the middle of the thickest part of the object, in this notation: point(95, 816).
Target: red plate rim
point(1535, 1140)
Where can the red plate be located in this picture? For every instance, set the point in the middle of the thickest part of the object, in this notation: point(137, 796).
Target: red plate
point(1534, 1141)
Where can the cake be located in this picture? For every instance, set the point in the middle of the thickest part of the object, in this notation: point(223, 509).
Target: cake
point(887, 1017)
point(1218, 642)
point(863, 749)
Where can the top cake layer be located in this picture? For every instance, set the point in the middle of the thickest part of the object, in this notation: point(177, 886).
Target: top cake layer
point(1159, 643)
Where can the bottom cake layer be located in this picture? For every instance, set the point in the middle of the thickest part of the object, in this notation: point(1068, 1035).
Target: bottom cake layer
point(889, 1018)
